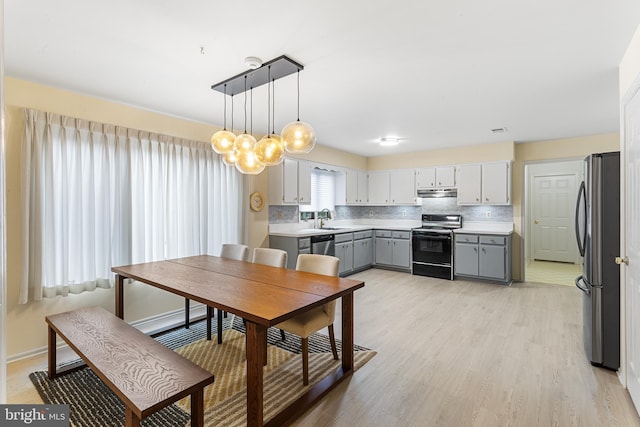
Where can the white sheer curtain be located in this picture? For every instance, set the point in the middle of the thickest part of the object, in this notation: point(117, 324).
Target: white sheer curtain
point(98, 195)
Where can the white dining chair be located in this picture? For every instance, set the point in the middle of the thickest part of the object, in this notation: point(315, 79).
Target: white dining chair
point(313, 320)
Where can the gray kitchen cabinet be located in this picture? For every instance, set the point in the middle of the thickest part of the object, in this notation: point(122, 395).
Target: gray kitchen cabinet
point(362, 250)
point(483, 256)
point(344, 252)
point(293, 245)
point(466, 255)
point(393, 249)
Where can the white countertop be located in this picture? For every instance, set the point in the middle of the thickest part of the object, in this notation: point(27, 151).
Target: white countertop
point(482, 227)
point(344, 226)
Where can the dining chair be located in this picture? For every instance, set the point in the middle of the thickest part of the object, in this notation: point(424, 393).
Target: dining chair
point(231, 251)
point(313, 320)
point(273, 258)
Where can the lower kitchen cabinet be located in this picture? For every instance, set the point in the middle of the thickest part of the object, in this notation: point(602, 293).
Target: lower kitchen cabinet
point(294, 246)
point(393, 249)
point(344, 252)
point(362, 250)
point(483, 257)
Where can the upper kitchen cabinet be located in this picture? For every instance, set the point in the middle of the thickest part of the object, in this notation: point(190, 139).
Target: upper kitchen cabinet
point(402, 190)
point(290, 183)
point(396, 187)
point(487, 183)
point(357, 187)
point(379, 188)
point(436, 177)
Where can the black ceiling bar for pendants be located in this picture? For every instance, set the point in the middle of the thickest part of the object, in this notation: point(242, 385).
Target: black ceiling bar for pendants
point(277, 68)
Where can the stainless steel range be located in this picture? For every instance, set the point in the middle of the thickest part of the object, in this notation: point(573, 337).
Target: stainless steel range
point(432, 245)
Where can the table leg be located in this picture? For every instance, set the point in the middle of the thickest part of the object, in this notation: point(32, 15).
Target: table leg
point(120, 296)
point(51, 351)
point(256, 340)
point(347, 332)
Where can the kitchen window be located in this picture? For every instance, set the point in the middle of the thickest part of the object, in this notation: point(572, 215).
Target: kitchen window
point(323, 193)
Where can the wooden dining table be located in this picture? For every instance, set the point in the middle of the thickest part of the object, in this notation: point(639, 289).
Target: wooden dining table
point(262, 295)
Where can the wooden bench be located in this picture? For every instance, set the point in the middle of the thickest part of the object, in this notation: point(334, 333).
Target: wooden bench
point(143, 373)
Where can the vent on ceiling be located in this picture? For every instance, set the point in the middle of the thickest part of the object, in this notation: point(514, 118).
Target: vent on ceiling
point(499, 130)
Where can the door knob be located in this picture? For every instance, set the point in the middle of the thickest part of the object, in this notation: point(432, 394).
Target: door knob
point(621, 260)
point(536, 221)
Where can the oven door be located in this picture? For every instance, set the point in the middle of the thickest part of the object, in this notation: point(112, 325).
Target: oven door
point(432, 247)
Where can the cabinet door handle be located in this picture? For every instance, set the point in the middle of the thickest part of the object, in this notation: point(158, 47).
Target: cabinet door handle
point(475, 250)
point(477, 200)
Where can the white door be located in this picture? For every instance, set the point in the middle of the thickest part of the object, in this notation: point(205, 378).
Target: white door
point(631, 238)
point(553, 223)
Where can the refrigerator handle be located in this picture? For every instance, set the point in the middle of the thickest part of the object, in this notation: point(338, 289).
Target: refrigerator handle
point(582, 195)
point(582, 288)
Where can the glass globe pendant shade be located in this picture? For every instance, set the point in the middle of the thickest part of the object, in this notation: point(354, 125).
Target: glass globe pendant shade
point(248, 163)
point(270, 150)
point(222, 141)
point(244, 143)
point(298, 137)
point(230, 157)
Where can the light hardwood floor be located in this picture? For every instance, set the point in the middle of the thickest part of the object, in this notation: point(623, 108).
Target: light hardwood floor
point(458, 354)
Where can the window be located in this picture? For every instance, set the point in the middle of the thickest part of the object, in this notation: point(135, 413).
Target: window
point(98, 195)
point(323, 191)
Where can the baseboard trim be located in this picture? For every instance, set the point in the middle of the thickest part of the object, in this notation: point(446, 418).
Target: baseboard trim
point(150, 326)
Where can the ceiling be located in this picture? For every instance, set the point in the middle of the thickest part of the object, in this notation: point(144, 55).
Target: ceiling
point(437, 74)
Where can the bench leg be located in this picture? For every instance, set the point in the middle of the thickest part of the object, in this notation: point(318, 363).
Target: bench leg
point(51, 352)
point(130, 419)
point(197, 408)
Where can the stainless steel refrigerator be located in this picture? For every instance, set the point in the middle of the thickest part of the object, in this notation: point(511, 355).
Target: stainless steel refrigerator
point(598, 236)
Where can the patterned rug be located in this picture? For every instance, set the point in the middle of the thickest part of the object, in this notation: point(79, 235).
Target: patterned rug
point(92, 403)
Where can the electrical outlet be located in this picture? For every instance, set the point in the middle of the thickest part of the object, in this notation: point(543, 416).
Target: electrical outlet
point(404, 213)
point(487, 214)
point(370, 212)
point(279, 214)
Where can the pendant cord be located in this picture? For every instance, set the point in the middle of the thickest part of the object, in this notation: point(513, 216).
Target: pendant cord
point(269, 104)
point(232, 113)
point(225, 107)
point(251, 122)
point(298, 94)
point(245, 104)
point(273, 114)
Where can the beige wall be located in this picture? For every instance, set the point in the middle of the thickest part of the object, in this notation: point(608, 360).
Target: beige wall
point(444, 157)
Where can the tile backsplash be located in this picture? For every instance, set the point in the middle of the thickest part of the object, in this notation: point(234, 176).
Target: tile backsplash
point(448, 205)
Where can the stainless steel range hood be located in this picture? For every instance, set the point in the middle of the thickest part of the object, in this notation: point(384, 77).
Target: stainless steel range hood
point(428, 193)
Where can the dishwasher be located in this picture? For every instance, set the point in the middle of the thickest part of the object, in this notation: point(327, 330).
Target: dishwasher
point(323, 244)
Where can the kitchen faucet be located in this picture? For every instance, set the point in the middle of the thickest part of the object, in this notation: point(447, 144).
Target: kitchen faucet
point(329, 216)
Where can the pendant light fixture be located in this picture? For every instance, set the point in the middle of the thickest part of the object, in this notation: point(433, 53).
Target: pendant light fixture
point(243, 151)
point(223, 140)
point(298, 137)
point(270, 149)
point(247, 162)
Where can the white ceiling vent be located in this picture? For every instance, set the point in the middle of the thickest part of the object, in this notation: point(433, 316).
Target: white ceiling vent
point(498, 130)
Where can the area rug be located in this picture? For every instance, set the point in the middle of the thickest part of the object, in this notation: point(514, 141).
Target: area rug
point(92, 403)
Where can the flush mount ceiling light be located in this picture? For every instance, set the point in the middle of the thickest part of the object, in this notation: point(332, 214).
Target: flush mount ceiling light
point(389, 141)
point(248, 156)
